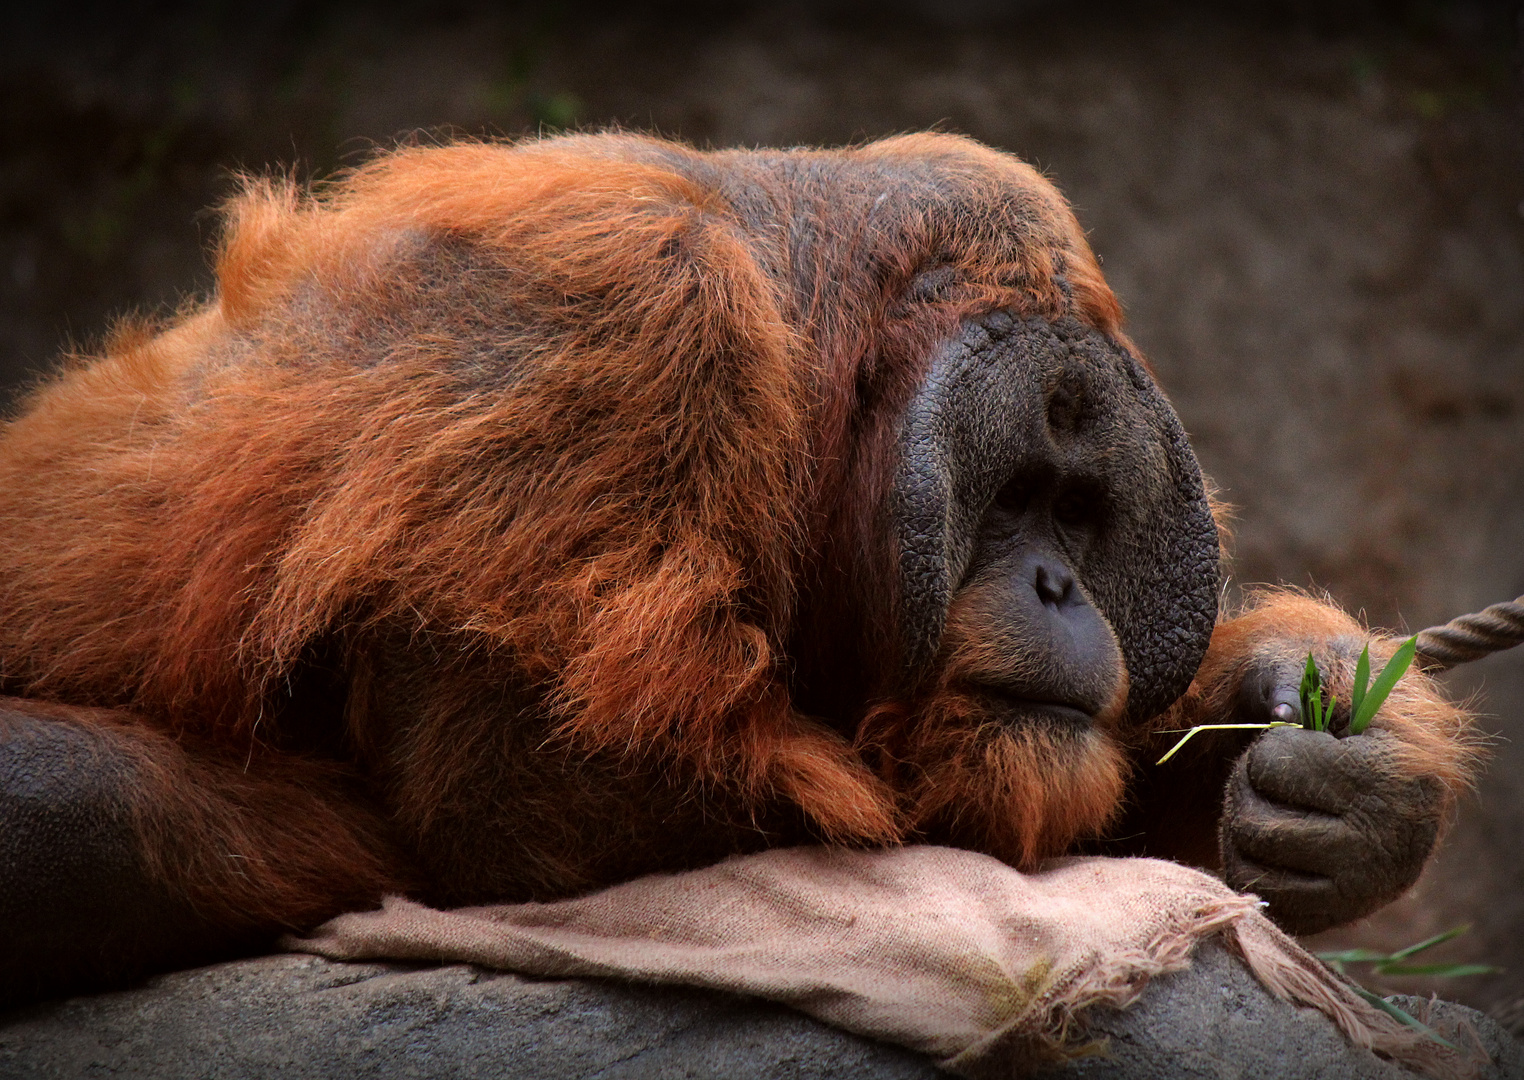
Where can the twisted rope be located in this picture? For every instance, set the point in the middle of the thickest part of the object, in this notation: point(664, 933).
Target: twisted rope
point(1472, 637)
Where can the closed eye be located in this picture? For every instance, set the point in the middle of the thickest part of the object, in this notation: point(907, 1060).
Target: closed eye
point(1073, 508)
point(1080, 505)
point(1015, 497)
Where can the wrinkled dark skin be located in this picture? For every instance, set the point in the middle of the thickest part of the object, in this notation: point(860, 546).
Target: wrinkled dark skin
point(1324, 827)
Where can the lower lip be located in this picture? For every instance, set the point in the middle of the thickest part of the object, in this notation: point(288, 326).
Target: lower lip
point(1066, 715)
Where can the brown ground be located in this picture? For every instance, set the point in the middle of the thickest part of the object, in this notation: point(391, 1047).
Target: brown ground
point(1316, 223)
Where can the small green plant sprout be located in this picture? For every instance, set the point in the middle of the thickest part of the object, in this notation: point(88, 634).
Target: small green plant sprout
point(1315, 714)
point(1365, 700)
point(1402, 1016)
point(1366, 697)
point(1396, 963)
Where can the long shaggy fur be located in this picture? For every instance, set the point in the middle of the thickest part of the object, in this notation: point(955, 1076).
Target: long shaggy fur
point(564, 417)
point(1434, 734)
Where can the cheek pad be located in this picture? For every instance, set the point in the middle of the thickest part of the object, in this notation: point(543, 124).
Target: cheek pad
point(979, 417)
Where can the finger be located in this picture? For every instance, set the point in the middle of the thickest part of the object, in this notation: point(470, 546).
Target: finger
point(1270, 691)
point(1384, 788)
point(1310, 769)
point(1300, 903)
point(1303, 840)
point(1281, 886)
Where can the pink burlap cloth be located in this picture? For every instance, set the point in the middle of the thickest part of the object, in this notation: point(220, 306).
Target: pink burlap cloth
point(947, 952)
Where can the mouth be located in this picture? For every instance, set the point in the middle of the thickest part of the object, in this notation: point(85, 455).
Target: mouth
point(1014, 709)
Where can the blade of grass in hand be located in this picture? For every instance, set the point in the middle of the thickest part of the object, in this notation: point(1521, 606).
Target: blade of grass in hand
point(1220, 727)
point(1362, 682)
point(1395, 667)
point(1312, 684)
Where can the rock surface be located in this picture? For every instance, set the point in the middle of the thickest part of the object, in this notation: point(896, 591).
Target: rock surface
point(303, 1017)
point(1215, 1022)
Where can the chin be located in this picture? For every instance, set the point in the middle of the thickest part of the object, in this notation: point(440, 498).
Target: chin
point(1022, 781)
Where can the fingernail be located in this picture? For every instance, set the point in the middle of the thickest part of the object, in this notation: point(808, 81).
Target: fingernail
point(1284, 713)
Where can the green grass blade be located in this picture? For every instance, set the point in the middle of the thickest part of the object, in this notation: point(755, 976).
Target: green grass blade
point(1437, 971)
point(1322, 712)
point(1394, 670)
point(1362, 682)
point(1353, 956)
point(1429, 943)
point(1403, 1018)
point(1220, 727)
point(1173, 750)
point(1312, 684)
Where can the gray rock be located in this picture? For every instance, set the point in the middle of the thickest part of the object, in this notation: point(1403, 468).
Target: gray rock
point(1214, 1021)
point(301, 1017)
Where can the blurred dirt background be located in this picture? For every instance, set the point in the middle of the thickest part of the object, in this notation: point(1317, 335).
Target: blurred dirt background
point(1314, 213)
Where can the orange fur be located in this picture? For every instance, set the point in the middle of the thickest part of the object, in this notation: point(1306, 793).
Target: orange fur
point(233, 511)
point(601, 452)
point(295, 838)
point(1024, 792)
point(1179, 820)
point(1434, 732)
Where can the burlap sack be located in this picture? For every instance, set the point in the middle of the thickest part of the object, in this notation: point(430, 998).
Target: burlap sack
point(947, 952)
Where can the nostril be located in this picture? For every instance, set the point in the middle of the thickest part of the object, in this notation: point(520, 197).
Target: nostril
point(1053, 586)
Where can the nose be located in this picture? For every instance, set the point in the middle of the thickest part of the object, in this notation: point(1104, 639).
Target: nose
point(1054, 584)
